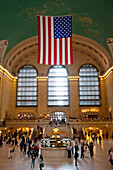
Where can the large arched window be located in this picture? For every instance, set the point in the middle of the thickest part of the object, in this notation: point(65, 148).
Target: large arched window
point(89, 86)
point(58, 86)
point(27, 86)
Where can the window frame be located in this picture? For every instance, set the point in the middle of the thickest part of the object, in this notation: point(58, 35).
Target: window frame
point(36, 100)
point(58, 86)
point(90, 85)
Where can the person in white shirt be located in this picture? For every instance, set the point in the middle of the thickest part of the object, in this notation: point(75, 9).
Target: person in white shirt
point(111, 157)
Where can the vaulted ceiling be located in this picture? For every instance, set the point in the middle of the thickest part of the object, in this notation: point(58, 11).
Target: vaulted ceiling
point(91, 18)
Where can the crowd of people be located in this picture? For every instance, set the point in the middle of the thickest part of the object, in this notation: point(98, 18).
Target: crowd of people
point(27, 146)
point(84, 147)
point(57, 122)
point(31, 147)
point(81, 146)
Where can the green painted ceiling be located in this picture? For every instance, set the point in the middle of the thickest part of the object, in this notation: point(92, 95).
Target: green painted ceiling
point(91, 18)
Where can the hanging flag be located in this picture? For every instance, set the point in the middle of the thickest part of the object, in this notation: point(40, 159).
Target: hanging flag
point(55, 40)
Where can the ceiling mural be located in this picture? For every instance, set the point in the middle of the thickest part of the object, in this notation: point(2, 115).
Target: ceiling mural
point(91, 18)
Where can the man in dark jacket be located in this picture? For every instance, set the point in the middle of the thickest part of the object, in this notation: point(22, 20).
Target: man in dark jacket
point(76, 157)
point(82, 151)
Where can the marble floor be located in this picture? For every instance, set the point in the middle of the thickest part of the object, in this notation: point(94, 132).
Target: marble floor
point(19, 161)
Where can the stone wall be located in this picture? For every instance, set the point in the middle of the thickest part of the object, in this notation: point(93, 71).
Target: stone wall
point(109, 86)
point(5, 96)
point(9, 99)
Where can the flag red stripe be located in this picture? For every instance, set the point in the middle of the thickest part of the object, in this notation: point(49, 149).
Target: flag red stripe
point(38, 18)
point(51, 44)
point(71, 51)
point(49, 40)
point(66, 52)
point(55, 51)
point(44, 41)
point(60, 51)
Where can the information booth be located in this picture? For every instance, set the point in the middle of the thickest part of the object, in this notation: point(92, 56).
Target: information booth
point(55, 146)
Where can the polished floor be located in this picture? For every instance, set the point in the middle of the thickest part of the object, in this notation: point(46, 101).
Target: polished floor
point(19, 161)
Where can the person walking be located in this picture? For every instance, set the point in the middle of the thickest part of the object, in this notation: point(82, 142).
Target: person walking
point(76, 157)
point(29, 150)
point(76, 147)
point(93, 137)
point(82, 151)
point(86, 144)
point(37, 150)
point(33, 157)
point(16, 142)
point(25, 146)
point(91, 149)
point(111, 157)
point(41, 164)
point(21, 146)
point(9, 152)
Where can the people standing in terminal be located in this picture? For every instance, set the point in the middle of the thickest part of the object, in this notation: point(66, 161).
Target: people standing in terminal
point(69, 148)
point(100, 139)
point(21, 146)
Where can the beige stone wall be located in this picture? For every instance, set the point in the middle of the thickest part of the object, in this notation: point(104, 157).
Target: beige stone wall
point(5, 93)
point(84, 51)
point(8, 99)
point(42, 96)
point(109, 86)
point(74, 99)
point(0, 94)
point(15, 110)
point(104, 100)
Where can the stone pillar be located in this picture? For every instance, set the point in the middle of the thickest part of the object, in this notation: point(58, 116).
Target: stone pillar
point(42, 96)
point(109, 87)
point(104, 100)
point(74, 97)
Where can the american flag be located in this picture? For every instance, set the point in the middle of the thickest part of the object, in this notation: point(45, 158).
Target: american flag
point(55, 40)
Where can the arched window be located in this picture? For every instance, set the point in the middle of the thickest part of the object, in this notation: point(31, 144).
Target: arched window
point(27, 86)
point(58, 86)
point(89, 86)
